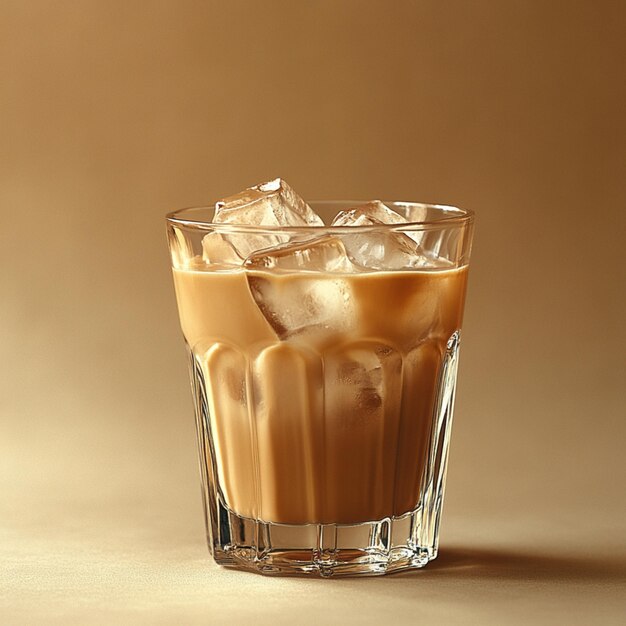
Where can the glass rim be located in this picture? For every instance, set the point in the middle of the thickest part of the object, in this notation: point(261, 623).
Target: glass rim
point(450, 216)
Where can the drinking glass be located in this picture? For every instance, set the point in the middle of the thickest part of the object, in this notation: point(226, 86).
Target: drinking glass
point(323, 392)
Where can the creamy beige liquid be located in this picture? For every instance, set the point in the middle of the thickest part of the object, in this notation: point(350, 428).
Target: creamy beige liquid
point(328, 427)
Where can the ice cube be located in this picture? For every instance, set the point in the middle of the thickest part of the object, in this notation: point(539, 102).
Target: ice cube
point(374, 209)
point(363, 379)
point(216, 250)
point(273, 203)
point(381, 249)
point(380, 211)
point(359, 375)
point(314, 301)
point(316, 254)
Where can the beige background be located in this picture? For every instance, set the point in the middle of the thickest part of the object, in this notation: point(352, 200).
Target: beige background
point(114, 112)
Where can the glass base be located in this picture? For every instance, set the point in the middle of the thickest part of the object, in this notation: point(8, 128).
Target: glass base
point(323, 550)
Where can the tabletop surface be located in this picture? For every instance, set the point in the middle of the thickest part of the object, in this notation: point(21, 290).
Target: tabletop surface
point(119, 560)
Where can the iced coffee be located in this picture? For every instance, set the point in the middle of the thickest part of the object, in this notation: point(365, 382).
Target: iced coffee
point(323, 349)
